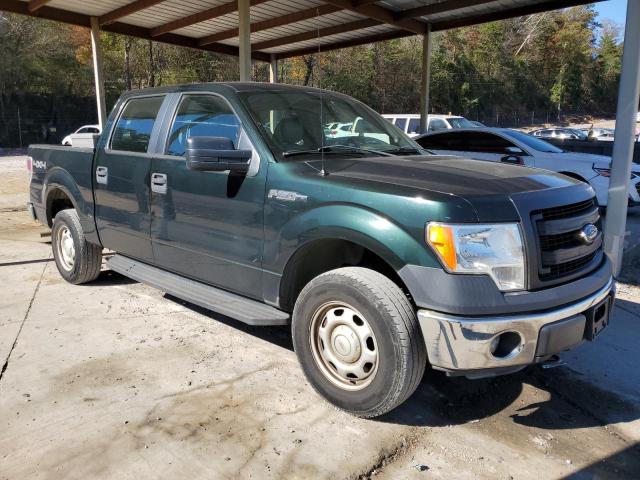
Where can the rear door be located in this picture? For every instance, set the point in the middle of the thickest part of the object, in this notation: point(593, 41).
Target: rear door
point(207, 225)
point(121, 178)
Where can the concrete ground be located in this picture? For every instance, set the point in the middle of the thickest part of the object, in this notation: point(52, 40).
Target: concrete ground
point(116, 380)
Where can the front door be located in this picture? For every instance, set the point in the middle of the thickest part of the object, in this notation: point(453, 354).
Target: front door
point(208, 225)
point(121, 179)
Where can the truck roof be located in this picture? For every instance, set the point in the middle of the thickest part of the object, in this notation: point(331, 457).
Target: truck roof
point(218, 86)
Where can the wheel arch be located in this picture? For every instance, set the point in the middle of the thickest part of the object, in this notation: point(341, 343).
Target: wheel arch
point(324, 254)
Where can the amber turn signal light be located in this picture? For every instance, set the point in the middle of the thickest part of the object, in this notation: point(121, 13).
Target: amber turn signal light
point(440, 237)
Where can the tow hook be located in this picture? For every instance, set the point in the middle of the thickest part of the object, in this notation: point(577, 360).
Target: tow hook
point(553, 361)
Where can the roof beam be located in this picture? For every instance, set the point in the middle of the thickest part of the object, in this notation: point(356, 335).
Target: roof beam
point(443, 6)
point(73, 18)
point(125, 10)
point(345, 43)
point(36, 4)
point(475, 19)
point(381, 14)
point(272, 23)
point(322, 32)
point(202, 16)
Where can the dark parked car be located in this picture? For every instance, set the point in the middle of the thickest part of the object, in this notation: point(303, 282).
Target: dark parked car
point(232, 197)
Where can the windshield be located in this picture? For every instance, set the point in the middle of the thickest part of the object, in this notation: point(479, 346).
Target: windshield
point(294, 122)
point(533, 142)
point(460, 122)
point(578, 133)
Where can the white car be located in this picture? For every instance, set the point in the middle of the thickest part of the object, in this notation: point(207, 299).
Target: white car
point(510, 146)
point(86, 129)
point(410, 124)
point(338, 129)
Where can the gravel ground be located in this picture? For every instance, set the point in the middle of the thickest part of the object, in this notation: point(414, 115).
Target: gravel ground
point(116, 380)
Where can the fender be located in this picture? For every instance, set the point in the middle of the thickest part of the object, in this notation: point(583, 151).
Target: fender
point(356, 224)
point(362, 226)
point(59, 179)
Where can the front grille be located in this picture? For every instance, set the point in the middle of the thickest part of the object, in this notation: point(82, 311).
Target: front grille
point(568, 268)
point(567, 210)
point(562, 253)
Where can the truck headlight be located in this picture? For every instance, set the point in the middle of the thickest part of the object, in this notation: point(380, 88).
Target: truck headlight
point(490, 249)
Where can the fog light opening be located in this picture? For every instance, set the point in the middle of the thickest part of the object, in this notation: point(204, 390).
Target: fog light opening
point(506, 345)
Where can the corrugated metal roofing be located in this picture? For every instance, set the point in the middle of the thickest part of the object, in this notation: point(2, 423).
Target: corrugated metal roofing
point(280, 27)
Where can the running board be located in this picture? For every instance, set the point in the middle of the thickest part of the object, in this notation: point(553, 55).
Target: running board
point(229, 304)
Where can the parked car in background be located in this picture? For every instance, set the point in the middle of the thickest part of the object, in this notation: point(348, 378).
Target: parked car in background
point(514, 147)
point(89, 129)
point(560, 133)
point(338, 129)
point(410, 124)
point(602, 134)
point(477, 124)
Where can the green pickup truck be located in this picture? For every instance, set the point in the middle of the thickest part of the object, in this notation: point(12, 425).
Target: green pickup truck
point(238, 198)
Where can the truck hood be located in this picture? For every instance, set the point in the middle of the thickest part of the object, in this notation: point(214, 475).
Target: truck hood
point(487, 186)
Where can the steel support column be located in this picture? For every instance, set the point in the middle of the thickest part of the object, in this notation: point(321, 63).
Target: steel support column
point(244, 39)
point(616, 219)
point(96, 49)
point(426, 79)
point(273, 69)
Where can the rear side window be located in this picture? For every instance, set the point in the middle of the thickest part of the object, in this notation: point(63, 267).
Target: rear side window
point(133, 129)
point(202, 116)
point(444, 141)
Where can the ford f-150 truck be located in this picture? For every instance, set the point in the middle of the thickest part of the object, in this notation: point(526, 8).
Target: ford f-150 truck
point(382, 257)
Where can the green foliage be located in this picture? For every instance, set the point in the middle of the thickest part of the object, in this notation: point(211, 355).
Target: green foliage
point(542, 64)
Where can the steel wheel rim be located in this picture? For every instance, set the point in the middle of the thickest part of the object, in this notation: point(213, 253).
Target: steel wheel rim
point(66, 248)
point(344, 346)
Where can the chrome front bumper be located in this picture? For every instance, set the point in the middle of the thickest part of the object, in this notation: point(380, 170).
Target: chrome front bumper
point(463, 344)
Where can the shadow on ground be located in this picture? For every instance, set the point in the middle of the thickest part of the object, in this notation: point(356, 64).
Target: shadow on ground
point(442, 400)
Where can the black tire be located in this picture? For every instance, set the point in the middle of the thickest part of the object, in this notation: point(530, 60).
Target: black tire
point(401, 352)
point(87, 258)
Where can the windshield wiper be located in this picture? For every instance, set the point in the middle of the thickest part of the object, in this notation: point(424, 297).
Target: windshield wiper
point(407, 150)
point(336, 149)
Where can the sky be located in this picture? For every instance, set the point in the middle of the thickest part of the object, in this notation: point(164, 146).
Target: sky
point(613, 10)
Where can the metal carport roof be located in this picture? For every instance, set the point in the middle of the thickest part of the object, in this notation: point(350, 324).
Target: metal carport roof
point(284, 28)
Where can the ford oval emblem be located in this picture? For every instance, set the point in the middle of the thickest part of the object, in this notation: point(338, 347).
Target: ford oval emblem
point(588, 233)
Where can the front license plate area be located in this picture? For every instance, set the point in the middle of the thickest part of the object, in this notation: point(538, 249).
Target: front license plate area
point(597, 319)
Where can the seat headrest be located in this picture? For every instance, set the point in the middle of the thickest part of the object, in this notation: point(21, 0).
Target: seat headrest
point(288, 132)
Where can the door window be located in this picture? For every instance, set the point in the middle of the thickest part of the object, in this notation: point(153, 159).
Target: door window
point(486, 143)
point(202, 116)
point(133, 129)
point(414, 125)
point(401, 123)
point(436, 124)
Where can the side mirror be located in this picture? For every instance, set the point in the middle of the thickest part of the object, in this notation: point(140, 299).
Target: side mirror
point(216, 154)
point(514, 151)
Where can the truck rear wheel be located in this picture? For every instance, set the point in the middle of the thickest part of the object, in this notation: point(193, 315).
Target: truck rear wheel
point(78, 261)
point(358, 341)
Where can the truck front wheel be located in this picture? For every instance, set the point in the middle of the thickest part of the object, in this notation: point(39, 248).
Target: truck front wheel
point(358, 341)
point(78, 261)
